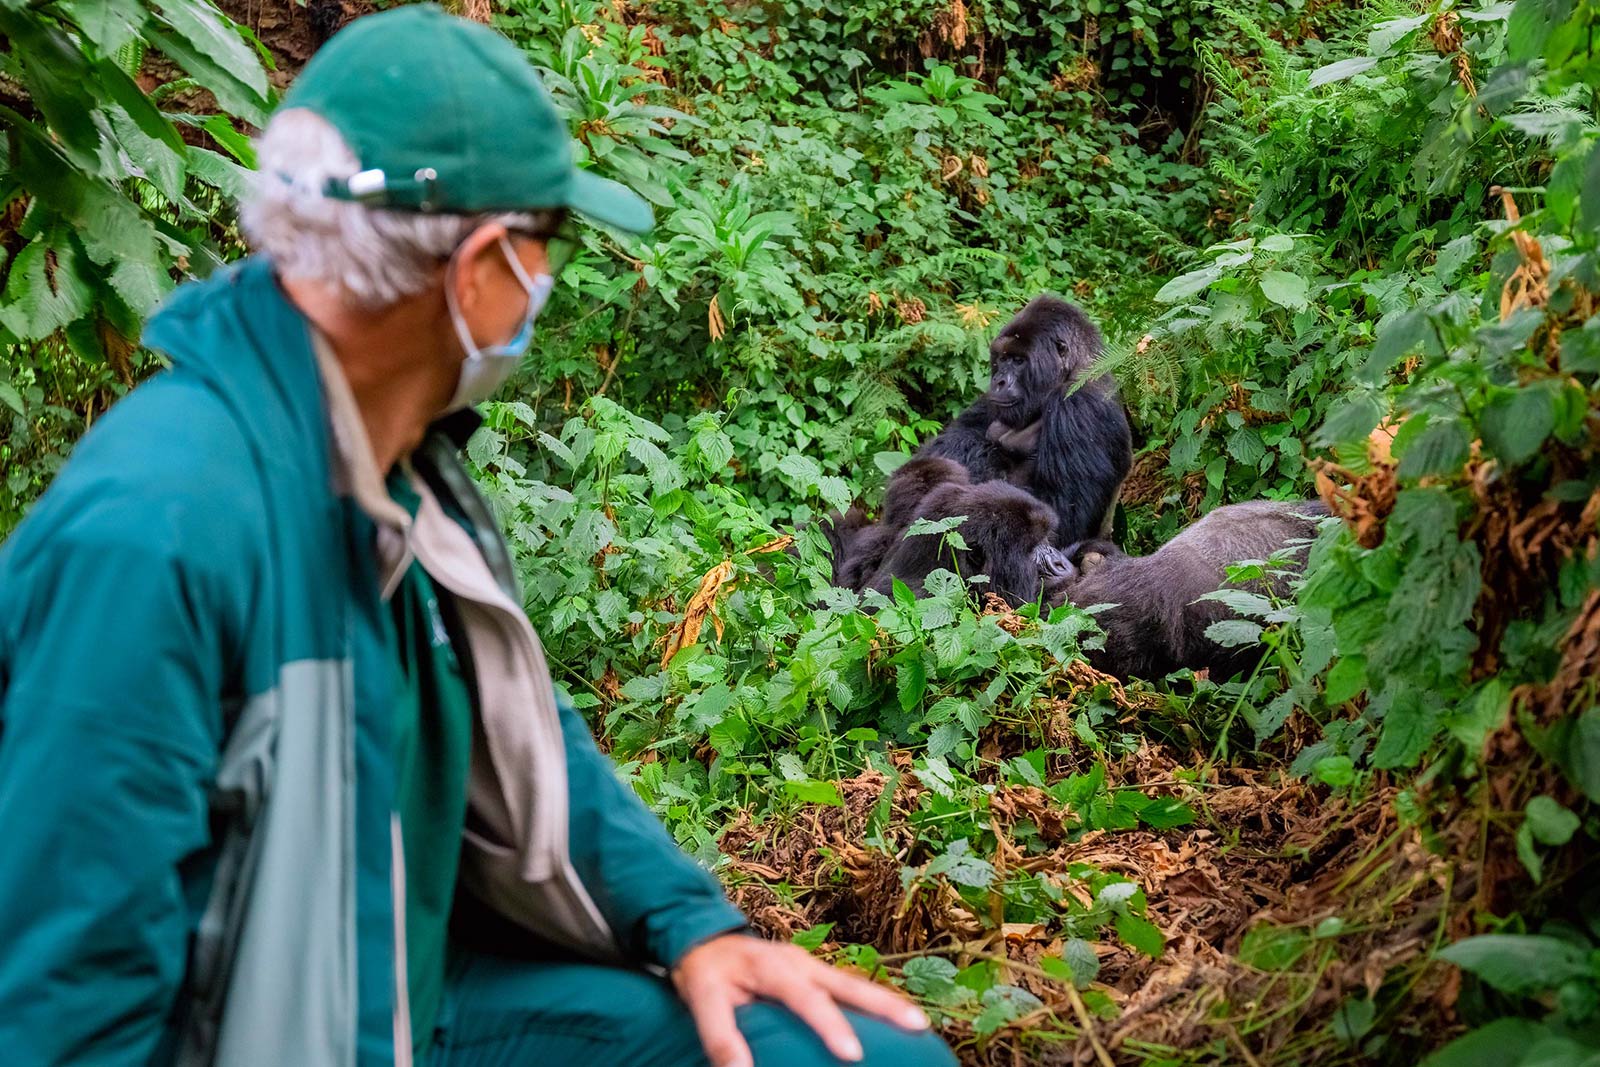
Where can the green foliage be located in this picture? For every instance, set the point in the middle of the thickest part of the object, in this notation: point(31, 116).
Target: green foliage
point(1284, 217)
point(103, 203)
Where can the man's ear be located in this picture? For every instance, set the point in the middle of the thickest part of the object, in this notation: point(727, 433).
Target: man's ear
point(474, 259)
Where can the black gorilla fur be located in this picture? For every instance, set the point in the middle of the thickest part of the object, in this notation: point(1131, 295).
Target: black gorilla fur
point(1071, 450)
point(1004, 529)
point(859, 546)
point(1159, 624)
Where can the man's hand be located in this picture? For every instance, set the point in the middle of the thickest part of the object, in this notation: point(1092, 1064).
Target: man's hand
point(715, 978)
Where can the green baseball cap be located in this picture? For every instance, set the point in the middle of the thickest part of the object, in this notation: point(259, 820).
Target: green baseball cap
point(447, 115)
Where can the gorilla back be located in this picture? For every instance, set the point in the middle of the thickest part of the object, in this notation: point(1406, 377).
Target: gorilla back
point(1159, 623)
point(1070, 450)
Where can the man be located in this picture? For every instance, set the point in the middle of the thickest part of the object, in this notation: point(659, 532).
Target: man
point(283, 777)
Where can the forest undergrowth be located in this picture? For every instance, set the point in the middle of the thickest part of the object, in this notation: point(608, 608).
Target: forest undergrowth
point(1343, 250)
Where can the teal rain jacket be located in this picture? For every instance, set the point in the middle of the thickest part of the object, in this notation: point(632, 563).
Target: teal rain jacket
point(196, 791)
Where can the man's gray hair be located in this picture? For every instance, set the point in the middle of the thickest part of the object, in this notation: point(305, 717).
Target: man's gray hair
point(375, 257)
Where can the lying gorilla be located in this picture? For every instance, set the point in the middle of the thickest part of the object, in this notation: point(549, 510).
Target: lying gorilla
point(1004, 527)
point(1159, 623)
point(1070, 450)
point(1005, 532)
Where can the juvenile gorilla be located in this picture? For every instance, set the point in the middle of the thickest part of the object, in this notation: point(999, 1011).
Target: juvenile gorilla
point(1041, 427)
point(1004, 531)
point(859, 547)
point(1159, 623)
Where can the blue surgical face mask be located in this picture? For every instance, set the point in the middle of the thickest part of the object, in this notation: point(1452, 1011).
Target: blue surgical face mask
point(485, 369)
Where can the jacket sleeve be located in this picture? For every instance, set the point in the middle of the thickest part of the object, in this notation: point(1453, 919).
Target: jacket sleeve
point(109, 731)
point(658, 901)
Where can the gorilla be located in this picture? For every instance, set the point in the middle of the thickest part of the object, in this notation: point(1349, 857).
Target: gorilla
point(1005, 531)
point(1069, 447)
point(1159, 623)
point(860, 546)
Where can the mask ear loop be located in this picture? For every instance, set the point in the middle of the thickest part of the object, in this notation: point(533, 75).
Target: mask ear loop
point(538, 287)
point(469, 347)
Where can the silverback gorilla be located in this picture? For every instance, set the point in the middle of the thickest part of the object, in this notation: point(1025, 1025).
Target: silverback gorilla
point(1159, 623)
point(1069, 447)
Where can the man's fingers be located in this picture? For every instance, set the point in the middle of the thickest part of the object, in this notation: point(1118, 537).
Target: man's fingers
point(870, 998)
point(719, 1031)
point(812, 1001)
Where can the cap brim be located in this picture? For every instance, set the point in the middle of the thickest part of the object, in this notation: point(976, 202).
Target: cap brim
point(609, 202)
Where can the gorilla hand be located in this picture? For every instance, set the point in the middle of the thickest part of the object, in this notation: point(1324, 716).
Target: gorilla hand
point(1023, 442)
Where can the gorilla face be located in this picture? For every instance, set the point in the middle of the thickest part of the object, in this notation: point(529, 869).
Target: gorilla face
point(1018, 378)
point(1025, 360)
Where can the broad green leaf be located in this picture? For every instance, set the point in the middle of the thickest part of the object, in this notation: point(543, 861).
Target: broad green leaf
point(1519, 964)
point(236, 94)
point(1531, 24)
point(1503, 1041)
point(1285, 289)
point(1336, 771)
point(1234, 633)
point(1353, 1020)
point(1346, 679)
point(1550, 822)
point(1517, 421)
point(1345, 68)
point(1352, 419)
point(44, 291)
point(1141, 934)
point(1440, 447)
point(204, 27)
point(1186, 285)
point(1003, 1004)
point(812, 937)
point(1164, 813)
point(1081, 958)
point(109, 24)
point(1273, 948)
point(815, 793)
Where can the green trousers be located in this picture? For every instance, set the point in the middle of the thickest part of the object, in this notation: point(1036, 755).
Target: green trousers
point(503, 1012)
